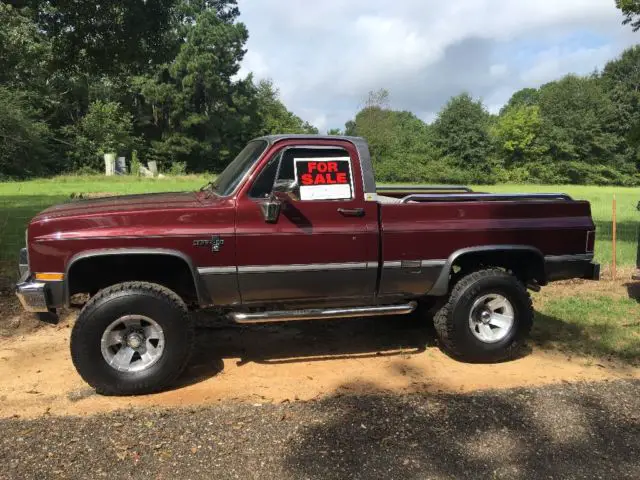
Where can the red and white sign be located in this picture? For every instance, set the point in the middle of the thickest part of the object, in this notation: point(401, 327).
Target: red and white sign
point(324, 178)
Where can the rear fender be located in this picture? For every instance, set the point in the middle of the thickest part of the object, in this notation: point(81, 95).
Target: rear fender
point(441, 287)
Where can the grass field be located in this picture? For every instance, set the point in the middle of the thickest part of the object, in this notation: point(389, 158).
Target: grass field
point(598, 319)
point(19, 201)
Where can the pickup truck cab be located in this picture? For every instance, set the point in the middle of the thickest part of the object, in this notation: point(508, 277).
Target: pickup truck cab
point(295, 229)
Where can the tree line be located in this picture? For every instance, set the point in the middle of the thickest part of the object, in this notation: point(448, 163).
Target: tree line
point(579, 130)
point(159, 80)
point(153, 79)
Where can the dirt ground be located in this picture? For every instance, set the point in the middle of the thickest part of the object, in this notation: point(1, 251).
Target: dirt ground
point(273, 364)
point(281, 363)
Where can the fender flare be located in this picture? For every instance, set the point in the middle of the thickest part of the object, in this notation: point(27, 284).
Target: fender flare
point(441, 287)
point(202, 294)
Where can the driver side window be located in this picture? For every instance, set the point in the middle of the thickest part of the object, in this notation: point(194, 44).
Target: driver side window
point(263, 185)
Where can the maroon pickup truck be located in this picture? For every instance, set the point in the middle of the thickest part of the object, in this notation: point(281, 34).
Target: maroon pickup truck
point(295, 229)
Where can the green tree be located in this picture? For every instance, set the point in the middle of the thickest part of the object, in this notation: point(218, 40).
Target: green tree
point(401, 144)
point(517, 135)
point(621, 79)
point(24, 138)
point(631, 11)
point(106, 128)
point(577, 120)
point(189, 108)
point(24, 50)
point(524, 97)
point(374, 122)
point(107, 36)
point(462, 133)
point(274, 116)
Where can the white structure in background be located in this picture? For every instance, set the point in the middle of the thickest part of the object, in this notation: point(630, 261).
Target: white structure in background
point(145, 172)
point(121, 166)
point(109, 164)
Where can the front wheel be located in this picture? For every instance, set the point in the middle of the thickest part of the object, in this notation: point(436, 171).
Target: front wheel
point(487, 317)
point(132, 338)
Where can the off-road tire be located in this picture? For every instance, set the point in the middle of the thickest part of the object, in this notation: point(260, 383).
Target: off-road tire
point(132, 298)
point(451, 321)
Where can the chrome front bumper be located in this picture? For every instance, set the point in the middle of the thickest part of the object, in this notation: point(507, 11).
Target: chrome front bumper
point(32, 294)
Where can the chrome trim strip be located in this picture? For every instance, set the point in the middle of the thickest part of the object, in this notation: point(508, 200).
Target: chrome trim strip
point(501, 197)
point(322, 314)
point(302, 267)
point(433, 263)
point(409, 263)
point(583, 257)
point(413, 264)
point(392, 264)
point(193, 236)
point(217, 270)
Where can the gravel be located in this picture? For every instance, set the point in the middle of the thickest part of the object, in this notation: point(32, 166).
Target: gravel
point(581, 430)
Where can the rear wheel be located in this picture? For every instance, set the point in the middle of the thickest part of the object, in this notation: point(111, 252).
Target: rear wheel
point(132, 338)
point(487, 317)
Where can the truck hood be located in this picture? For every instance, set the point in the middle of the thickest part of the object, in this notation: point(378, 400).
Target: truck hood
point(124, 204)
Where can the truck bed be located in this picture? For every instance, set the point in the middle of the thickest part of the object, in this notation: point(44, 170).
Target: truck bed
point(420, 230)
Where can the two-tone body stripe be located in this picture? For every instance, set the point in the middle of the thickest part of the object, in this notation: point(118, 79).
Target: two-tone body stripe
point(217, 270)
point(311, 267)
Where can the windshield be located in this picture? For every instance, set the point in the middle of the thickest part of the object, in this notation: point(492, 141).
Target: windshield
point(229, 179)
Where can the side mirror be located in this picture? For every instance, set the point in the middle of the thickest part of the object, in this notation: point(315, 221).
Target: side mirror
point(284, 189)
point(271, 208)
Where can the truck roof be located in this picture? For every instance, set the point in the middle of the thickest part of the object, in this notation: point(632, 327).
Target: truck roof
point(308, 136)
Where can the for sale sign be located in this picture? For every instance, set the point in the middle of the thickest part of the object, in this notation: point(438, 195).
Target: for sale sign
point(324, 178)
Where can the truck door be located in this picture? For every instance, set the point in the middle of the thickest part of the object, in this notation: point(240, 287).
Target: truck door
point(324, 246)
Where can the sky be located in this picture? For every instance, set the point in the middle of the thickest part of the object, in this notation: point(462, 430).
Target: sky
point(326, 55)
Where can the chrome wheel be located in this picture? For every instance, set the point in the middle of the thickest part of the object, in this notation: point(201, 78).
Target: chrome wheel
point(492, 318)
point(132, 343)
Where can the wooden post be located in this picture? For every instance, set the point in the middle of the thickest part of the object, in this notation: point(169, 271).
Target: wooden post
point(614, 240)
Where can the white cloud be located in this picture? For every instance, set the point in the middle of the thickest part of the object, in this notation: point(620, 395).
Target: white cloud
point(498, 70)
point(556, 61)
point(325, 56)
point(254, 63)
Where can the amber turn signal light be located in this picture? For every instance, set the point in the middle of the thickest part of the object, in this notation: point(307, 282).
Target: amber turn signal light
point(50, 277)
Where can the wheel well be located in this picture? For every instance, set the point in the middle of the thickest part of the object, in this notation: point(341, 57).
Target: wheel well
point(92, 274)
point(526, 265)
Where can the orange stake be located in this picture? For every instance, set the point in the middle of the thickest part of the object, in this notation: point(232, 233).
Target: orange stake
point(614, 240)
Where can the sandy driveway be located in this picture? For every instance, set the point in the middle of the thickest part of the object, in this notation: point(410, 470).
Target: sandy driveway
point(273, 364)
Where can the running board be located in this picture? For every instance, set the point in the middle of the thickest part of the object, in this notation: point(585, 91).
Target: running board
point(322, 314)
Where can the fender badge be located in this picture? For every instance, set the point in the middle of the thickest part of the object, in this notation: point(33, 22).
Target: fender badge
point(216, 243)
